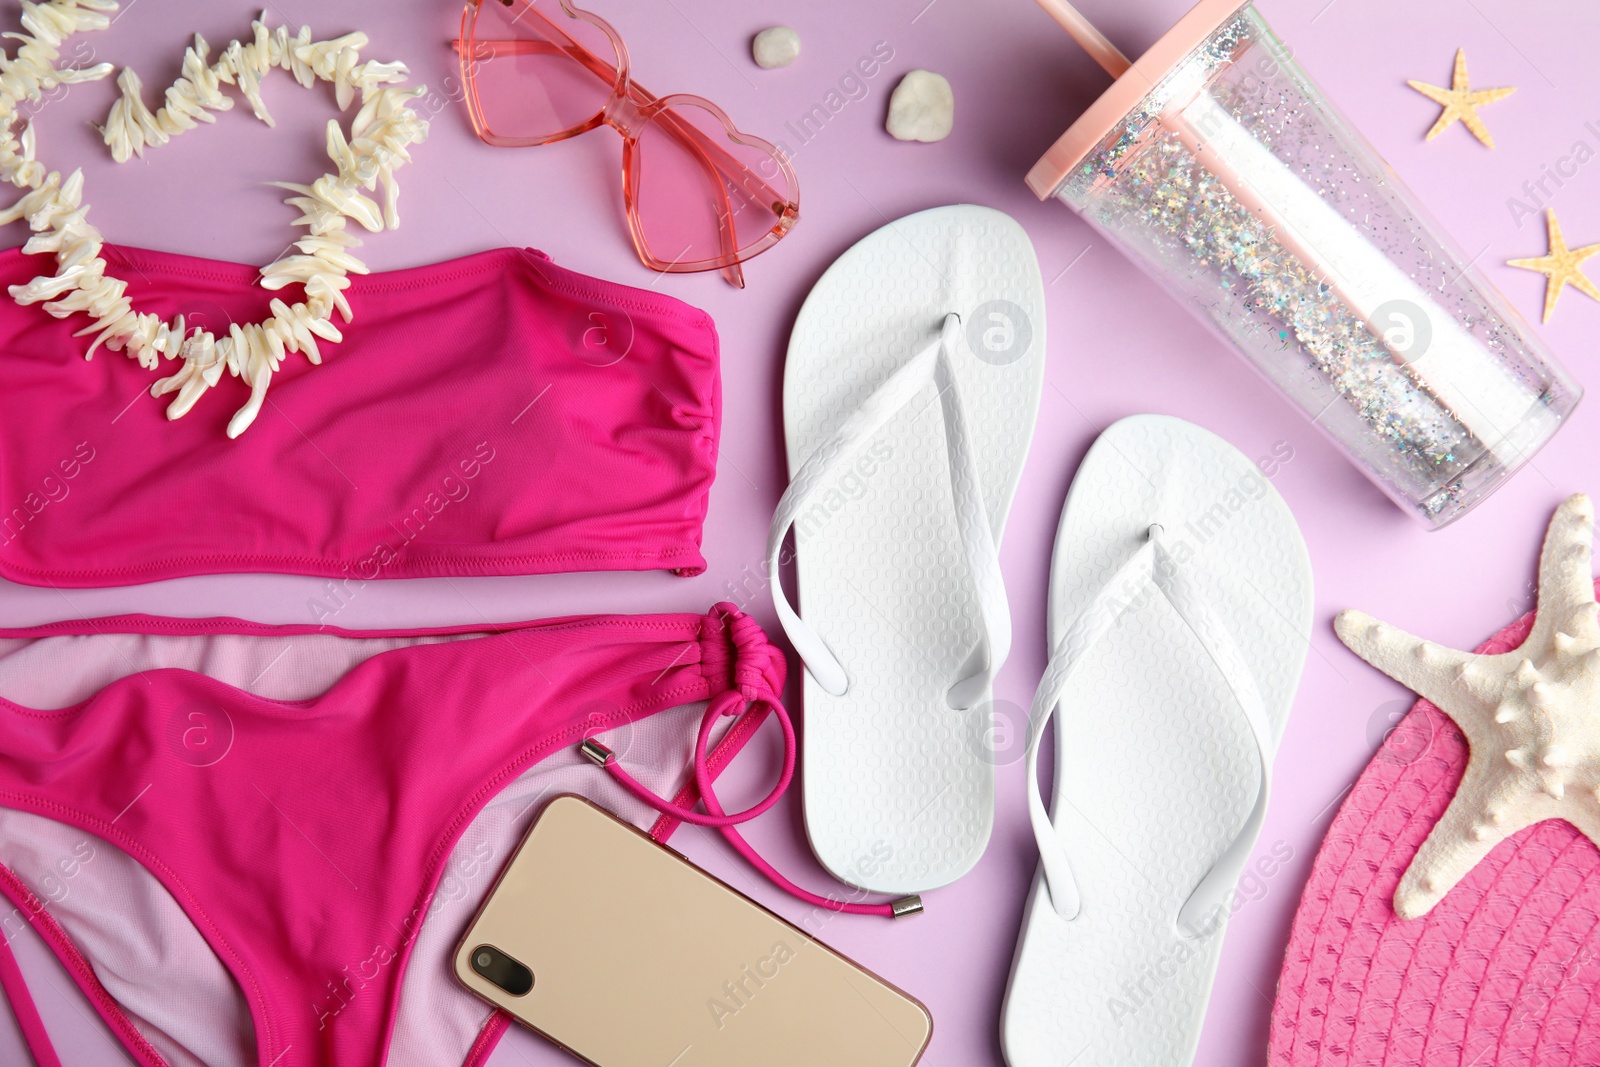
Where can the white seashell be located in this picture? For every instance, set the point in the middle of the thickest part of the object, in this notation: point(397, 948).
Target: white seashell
point(170, 342)
point(331, 254)
point(296, 337)
point(339, 150)
point(260, 50)
point(372, 74)
point(273, 341)
point(192, 390)
point(774, 47)
point(162, 386)
point(47, 286)
point(299, 59)
point(226, 68)
point(344, 84)
point(280, 46)
point(117, 325)
point(249, 82)
point(76, 75)
point(921, 108)
point(348, 201)
point(328, 293)
point(391, 199)
point(258, 394)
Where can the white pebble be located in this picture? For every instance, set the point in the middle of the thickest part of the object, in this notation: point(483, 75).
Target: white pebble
point(775, 47)
point(922, 108)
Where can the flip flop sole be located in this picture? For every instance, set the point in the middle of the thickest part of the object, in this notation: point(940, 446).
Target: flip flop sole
point(1155, 764)
point(899, 787)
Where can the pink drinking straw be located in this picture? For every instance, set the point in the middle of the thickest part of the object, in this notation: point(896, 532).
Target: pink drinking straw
point(1101, 50)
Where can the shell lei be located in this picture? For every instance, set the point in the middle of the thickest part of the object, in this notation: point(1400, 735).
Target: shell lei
point(383, 128)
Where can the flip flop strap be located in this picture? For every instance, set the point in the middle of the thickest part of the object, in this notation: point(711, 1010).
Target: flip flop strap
point(931, 365)
point(1150, 565)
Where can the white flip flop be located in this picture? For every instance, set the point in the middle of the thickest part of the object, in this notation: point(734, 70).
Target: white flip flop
point(912, 384)
point(1180, 616)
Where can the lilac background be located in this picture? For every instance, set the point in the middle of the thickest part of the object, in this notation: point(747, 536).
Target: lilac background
point(1117, 346)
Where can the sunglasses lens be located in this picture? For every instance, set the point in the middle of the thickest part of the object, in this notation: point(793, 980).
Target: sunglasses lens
point(536, 73)
point(704, 198)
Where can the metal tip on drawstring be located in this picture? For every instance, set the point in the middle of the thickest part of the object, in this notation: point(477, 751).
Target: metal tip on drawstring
point(911, 905)
point(597, 753)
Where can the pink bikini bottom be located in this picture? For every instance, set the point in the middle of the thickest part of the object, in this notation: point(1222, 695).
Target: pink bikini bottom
point(255, 845)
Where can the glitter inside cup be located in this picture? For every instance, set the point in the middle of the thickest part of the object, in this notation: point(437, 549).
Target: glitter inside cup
point(1237, 186)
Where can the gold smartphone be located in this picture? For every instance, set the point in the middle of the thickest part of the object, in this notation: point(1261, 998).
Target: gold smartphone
point(619, 950)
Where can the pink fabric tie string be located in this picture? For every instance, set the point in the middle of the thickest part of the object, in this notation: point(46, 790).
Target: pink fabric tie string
point(758, 672)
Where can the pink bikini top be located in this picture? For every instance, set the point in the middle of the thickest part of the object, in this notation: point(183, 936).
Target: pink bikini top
point(491, 415)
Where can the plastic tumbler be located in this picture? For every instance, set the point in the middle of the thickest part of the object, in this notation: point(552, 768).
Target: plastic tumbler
point(1223, 172)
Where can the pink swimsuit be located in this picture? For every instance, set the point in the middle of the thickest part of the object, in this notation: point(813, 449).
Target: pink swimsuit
point(491, 415)
point(269, 862)
point(255, 845)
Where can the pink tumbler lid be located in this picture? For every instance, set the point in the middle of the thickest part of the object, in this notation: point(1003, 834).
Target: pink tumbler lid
point(1125, 94)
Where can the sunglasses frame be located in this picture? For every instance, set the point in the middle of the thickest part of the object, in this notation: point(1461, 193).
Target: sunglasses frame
point(630, 109)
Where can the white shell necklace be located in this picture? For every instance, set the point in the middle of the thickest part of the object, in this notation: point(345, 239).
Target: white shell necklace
point(55, 209)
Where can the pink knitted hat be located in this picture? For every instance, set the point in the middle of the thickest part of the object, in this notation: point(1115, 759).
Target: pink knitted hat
point(1505, 970)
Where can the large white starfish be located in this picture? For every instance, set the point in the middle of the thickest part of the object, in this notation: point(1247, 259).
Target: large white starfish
point(1531, 716)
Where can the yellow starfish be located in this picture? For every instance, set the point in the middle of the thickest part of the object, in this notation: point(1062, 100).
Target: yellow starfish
point(1460, 101)
point(1561, 267)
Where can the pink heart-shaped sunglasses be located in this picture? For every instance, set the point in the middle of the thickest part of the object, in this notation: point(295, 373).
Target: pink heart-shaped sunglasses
point(700, 194)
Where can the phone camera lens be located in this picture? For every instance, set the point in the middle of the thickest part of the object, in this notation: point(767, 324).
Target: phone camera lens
point(502, 970)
